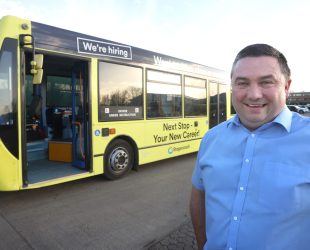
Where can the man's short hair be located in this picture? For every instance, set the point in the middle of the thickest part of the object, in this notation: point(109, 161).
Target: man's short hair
point(257, 50)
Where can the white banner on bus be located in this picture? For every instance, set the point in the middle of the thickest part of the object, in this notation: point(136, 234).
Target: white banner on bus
point(93, 47)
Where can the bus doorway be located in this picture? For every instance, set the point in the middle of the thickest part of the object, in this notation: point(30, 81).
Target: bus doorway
point(218, 101)
point(56, 120)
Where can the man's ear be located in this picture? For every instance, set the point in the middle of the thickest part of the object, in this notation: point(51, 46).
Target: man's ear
point(287, 87)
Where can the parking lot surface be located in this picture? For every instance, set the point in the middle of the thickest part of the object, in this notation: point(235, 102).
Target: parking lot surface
point(136, 212)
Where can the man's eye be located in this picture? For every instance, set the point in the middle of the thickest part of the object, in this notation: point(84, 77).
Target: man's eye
point(241, 84)
point(267, 83)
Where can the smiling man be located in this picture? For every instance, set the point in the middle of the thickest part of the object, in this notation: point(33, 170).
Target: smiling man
point(251, 187)
point(260, 89)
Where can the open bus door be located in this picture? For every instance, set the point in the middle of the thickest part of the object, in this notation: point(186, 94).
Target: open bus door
point(56, 142)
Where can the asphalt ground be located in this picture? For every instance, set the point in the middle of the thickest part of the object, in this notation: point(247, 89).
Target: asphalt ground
point(148, 209)
point(181, 238)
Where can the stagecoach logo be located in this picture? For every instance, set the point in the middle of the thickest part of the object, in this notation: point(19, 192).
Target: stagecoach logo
point(170, 151)
point(88, 46)
point(176, 149)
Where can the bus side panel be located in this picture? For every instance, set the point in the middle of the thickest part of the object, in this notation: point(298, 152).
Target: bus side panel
point(126, 129)
point(166, 138)
point(8, 170)
point(98, 164)
point(148, 155)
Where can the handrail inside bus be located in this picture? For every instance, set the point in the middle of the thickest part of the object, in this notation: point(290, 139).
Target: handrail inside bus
point(80, 137)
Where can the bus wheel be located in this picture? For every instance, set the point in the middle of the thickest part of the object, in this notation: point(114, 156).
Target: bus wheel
point(118, 159)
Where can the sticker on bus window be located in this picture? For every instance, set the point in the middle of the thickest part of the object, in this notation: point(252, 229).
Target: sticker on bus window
point(115, 113)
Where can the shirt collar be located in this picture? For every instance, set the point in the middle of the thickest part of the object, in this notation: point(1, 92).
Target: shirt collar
point(284, 119)
point(235, 120)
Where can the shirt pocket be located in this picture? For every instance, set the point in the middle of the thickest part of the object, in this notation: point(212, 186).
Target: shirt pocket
point(284, 188)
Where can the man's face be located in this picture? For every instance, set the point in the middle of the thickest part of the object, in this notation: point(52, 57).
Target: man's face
point(259, 90)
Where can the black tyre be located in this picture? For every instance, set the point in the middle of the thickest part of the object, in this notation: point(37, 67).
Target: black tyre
point(118, 160)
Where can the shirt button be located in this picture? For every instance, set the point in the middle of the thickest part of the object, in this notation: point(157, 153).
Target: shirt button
point(235, 218)
point(247, 160)
point(230, 248)
point(241, 188)
point(253, 135)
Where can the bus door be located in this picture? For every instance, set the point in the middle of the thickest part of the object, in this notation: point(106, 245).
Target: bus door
point(222, 103)
point(56, 120)
point(217, 107)
point(80, 145)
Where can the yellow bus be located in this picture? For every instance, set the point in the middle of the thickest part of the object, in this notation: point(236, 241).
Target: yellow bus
point(74, 105)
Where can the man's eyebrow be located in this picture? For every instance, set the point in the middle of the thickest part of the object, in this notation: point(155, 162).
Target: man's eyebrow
point(241, 78)
point(267, 77)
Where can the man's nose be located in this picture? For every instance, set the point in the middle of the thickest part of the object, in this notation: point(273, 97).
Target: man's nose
point(255, 92)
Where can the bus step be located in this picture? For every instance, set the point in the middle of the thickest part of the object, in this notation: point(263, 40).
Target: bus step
point(37, 150)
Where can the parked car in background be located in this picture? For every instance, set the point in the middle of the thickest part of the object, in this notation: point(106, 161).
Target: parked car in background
point(308, 106)
point(306, 109)
point(297, 109)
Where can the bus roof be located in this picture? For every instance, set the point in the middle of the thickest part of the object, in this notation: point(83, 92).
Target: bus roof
point(53, 38)
point(58, 39)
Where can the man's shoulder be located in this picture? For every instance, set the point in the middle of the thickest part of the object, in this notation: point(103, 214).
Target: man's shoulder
point(300, 121)
point(219, 129)
point(300, 127)
point(221, 136)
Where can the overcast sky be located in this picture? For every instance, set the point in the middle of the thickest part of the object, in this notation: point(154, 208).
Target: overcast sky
point(209, 32)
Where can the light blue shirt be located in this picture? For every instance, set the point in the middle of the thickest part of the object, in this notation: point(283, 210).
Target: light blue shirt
point(256, 184)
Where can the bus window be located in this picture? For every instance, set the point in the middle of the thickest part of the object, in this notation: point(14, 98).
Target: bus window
point(59, 91)
point(8, 96)
point(6, 93)
point(195, 97)
point(163, 94)
point(120, 92)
